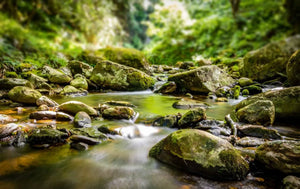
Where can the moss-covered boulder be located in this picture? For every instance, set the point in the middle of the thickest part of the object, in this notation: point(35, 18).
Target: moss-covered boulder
point(293, 69)
point(201, 153)
point(11, 75)
point(189, 104)
point(82, 119)
point(73, 107)
point(290, 182)
point(56, 76)
point(202, 80)
point(79, 82)
point(244, 81)
point(78, 67)
point(261, 112)
point(282, 156)
point(43, 100)
point(191, 117)
point(126, 56)
point(115, 76)
point(24, 95)
point(266, 62)
point(286, 102)
point(46, 136)
point(92, 132)
point(39, 82)
point(253, 89)
point(70, 90)
point(118, 112)
point(167, 88)
point(9, 83)
point(166, 121)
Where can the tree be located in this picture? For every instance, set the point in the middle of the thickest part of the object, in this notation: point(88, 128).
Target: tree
point(235, 4)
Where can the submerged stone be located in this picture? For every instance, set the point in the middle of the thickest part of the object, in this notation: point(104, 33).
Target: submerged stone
point(201, 153)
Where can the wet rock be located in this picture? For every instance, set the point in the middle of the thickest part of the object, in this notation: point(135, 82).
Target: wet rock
point(9, 83)
point(261, 112)
point(250, 142)
point(167, 88)
point(82, 68)
point(43, 100)
point(126, 56)
point(202, 80)
point(236, 91)
point(258, 131)
point(46, 136)
point(282, 156)
point(84, 139)
point(221, 99)
point(286, 102)
point(73, 107)
point(24, 95)
point(56, 76)
point(243, 81)
point(245, 92)
point(6, 119)
point(293, 69)
point(290, 182)
point(9, 129)
point(92, 132)
point(191, 117)
point(119, 103)
point(43, 115)
point(266, 62)
point(201, 153)
point(70, 90)
point(43, 107)
point(188, 104)
point(106, 130)
point(214, 127)
point(79, 82)
point(166, 121)
point(253, 89)
point(60, 116)
point(118, 112)
point(223, 91)
point(79, 146)
point(15, 138)
point(39, 82)
point(82, 119)
point(11, 75)
point(187, 65)
point(110, 75)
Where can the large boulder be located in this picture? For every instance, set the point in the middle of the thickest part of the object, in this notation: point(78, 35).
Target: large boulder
point(202, 80)
point(201, 153)
point(78, 67)
point(191, 117)
point(261, 112)
point(9, 83)
point(56, 76)
point(126, 56)
point(24, 95)
point(286, 102)
point(293, 69)
point(266, 62)
point(115, 76)
point(39, 82)
point(282, 156)
point(73, 107)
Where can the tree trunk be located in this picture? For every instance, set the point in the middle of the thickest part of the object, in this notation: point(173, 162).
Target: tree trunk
point(235, 4)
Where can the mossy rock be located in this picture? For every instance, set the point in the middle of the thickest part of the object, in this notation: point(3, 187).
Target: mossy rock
point(56, 76)
point(80, 83)
point(258, 131)
point(11, 75)
point(236, 91)
point(46, 136)
point(92, 132)
point(110, 75)
point(265, 63)
point(78, 67)
point(261, 112)
point(125, 56)
point(70, 90)
point(245, 92)
point(9, 83)
point(245, 81)
point(167, 88)
point(253, 89)
point(24, 95)
point(166, 121)
point(118, 112)
point(290, 182)
point(202, 80)
point(293, 69)
point(286, 102)
point(39, 82)
point(281, 156)
point(73, 107)
point(191, 117)
point(201, 153)
point(82, 119)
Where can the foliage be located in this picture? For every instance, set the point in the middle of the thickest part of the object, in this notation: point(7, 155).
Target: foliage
point(210, 29)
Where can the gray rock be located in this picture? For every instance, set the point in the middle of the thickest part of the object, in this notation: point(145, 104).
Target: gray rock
point(43, 100)
point(258, 131)
point(82, 119)
point(79, 146)
point(84, 139)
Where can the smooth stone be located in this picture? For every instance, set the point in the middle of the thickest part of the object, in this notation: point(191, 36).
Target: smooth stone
point(79, 146)
point(82, 119)
point(43, 115)
point(73, 107)
point(43, 100)
point(258, 131)
point(84, 139)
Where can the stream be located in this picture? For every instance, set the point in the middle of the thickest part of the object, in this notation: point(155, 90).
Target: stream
point(119, 163)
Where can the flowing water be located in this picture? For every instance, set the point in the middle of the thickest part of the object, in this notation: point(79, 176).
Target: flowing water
point(120, 163)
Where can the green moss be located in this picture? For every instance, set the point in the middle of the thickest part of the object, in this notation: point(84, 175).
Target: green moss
point(237, 91)
point(245, 92)
point(11, 75)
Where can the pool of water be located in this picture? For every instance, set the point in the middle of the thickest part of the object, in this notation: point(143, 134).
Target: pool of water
point(119, 163)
